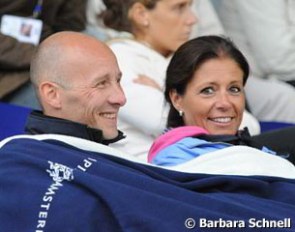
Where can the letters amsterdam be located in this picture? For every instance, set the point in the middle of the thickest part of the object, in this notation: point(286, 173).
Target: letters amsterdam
point(59, 173)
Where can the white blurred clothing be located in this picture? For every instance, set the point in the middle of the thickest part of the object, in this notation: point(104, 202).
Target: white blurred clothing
point(144, 116)
point(265, 31)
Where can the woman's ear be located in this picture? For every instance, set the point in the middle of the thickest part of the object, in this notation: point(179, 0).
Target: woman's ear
point(176, 99)
point(138, 13)
point(50, 94)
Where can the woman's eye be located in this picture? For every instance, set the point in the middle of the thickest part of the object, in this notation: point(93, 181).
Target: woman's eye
point(235, 89)
point(207, 91)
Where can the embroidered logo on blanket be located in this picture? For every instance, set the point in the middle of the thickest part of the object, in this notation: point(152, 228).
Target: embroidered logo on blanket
point(60, 172)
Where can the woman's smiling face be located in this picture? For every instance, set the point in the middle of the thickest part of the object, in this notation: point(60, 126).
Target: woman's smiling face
point(214, 99)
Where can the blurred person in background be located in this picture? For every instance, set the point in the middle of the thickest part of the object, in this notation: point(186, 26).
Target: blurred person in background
point(45, 17)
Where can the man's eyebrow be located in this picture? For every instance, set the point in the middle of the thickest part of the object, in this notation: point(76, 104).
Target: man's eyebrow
point(100, 78)
point(106, 77)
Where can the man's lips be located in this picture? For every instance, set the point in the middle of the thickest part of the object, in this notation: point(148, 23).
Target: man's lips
point(108, 115)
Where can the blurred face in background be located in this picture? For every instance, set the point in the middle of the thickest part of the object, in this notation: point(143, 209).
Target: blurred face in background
point(168, 25)
point(214, 99)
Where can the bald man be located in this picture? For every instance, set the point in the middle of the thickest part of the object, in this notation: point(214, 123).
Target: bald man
point(77, 80)
point(46, 176)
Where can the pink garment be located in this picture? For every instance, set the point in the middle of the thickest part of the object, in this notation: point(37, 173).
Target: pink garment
point(171, 137)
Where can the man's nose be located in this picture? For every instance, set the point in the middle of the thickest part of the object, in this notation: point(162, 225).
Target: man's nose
point(117, 95)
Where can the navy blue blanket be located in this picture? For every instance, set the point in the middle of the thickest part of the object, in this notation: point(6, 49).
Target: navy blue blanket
point(51, 186)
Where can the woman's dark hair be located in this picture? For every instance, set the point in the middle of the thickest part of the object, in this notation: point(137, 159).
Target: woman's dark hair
point(188, 58)
point(116, 14)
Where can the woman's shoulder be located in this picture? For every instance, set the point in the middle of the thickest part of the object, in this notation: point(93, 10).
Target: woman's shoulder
point(123, 46)
point(124, 43)
point(172, 136)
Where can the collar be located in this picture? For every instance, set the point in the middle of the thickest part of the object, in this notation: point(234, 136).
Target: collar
point(242, 137)
point(38, 123)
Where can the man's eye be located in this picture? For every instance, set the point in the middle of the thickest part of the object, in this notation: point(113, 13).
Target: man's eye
point(181, 7)
point(207, 91)
point(101, 84)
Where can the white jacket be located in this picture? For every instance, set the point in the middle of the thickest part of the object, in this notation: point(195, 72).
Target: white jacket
point(265, 31)
point(144, 115)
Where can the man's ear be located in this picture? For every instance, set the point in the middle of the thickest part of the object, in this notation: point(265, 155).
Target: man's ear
point(176, 99)
point(50, 94)
point(138, 13)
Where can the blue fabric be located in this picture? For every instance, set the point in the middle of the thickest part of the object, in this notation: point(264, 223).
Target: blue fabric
point(12, 119)
point(272, 125)
point(185, 150)
point(51, 186)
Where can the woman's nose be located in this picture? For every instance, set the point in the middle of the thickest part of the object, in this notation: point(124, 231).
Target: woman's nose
point(223, 101)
